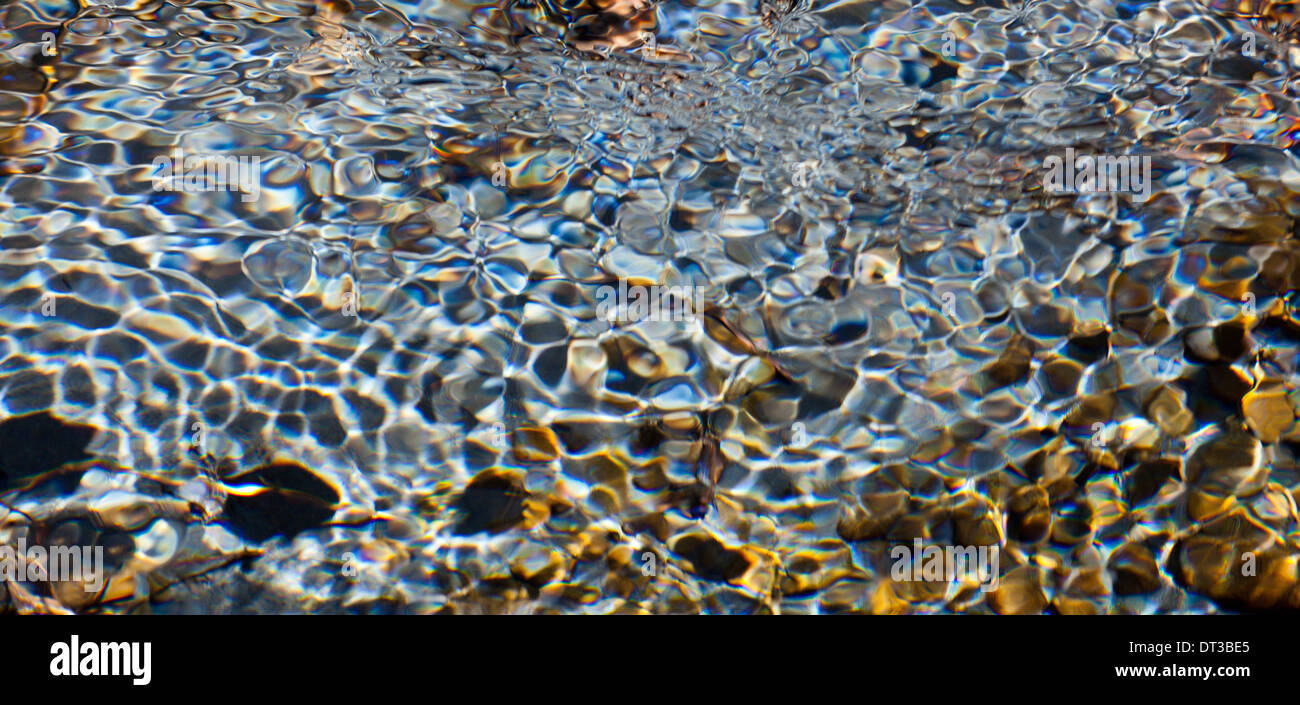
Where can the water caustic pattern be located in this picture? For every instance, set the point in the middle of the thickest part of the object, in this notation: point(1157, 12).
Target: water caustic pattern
point(369, 369)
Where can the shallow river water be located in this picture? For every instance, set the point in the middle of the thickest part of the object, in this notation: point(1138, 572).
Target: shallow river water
point(633, 306)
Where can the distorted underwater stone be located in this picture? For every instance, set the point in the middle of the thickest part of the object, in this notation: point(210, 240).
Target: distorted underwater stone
point(279, 499)
point(38, 443)
point(491, 502)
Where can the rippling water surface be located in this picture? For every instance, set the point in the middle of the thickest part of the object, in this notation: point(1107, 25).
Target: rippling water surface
point(376, 375)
